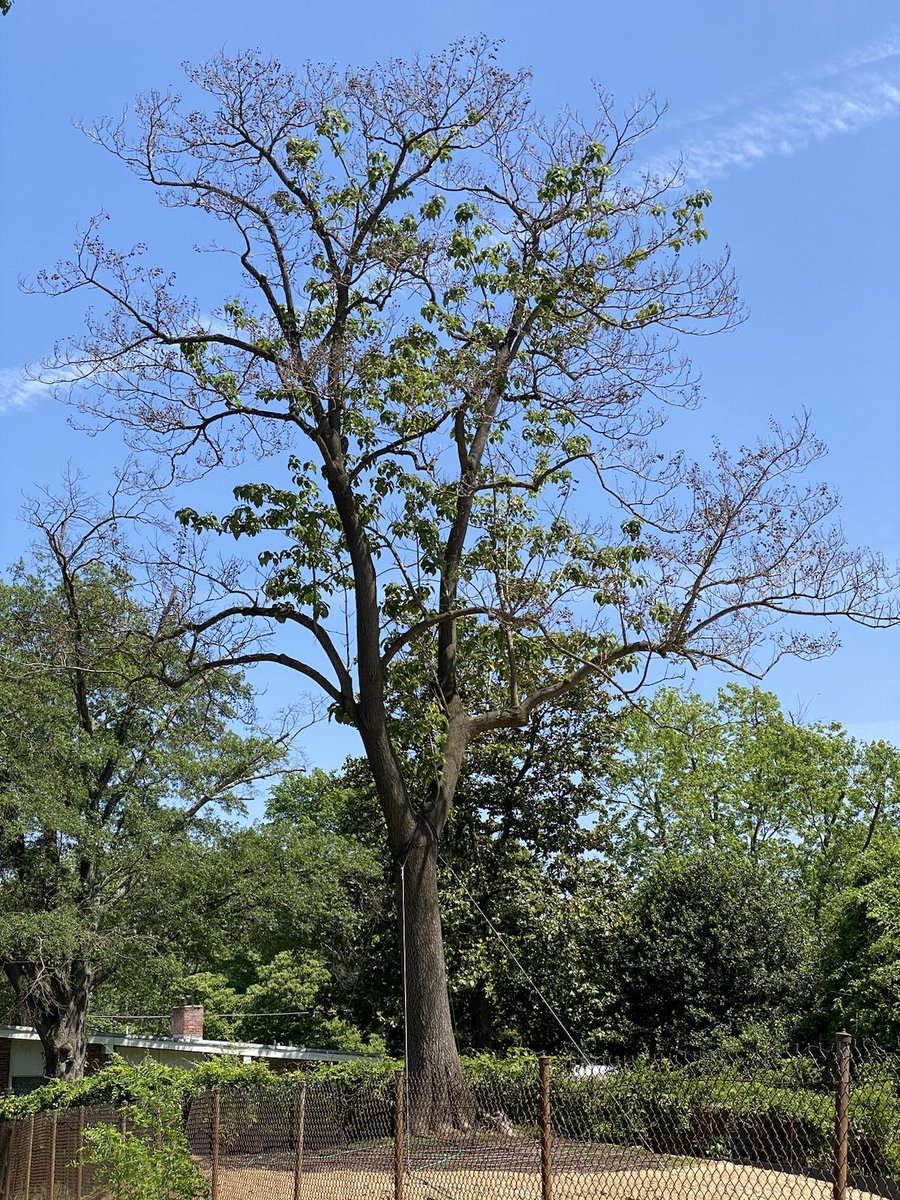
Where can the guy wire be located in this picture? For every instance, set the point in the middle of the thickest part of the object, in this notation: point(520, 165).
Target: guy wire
point(405, 1014)
point(512, 954)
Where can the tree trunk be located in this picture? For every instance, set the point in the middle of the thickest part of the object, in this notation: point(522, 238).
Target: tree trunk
point(56, 999)
point(438, 1095)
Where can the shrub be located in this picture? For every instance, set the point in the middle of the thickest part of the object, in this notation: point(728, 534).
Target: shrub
point(120, 1084)
point(149, 1160)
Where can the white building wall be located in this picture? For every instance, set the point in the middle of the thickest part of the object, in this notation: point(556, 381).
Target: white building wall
point(26, 1058)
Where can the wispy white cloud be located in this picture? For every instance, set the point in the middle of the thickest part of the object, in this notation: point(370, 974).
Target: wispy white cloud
point(808, 116)
point(17, 391)
point(213, 323)
point(886, 48)
point(804, 108)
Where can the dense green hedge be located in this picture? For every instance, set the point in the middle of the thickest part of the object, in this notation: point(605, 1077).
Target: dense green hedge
point(762, 1120)
point(782, 1115)
point(120, 1083)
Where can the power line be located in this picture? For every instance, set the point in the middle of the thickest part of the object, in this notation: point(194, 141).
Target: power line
point(295, 1012)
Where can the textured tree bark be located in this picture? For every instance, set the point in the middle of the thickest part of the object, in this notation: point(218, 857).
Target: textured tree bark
point(437, 1091)
point(56, 998)
point(438, 1094)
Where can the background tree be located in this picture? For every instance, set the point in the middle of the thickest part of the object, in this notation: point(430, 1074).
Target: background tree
point(738, 774)
point(290, 912)
point(711, 948)
point(448, 315)
point(275, 913)
point(860, 959)
point(104, 773)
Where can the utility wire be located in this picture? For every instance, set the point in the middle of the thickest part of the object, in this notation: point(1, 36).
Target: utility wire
point(295, 1012)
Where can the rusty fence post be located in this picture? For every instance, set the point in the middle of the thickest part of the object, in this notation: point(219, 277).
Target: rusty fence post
point(399, 1133)
point(214, 1138)
point(843, 1044)
point(29, 1157)
point(299, 1129)
point(15, 1129)
point(10, 1159)
point(12, 1163)
point(79, 1155)
point(54, 1124)
point(546, 1126)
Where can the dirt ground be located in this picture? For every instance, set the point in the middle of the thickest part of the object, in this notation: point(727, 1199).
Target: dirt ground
point(677, 1181)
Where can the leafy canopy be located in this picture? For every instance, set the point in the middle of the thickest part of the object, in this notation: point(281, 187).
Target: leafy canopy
point(107, 776)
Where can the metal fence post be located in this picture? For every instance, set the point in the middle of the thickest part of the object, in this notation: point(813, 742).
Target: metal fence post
point(546, 1124)
point(51, 1186)
point(29, 1158)
point(79, 1156)
point(10, 1161)
point(843, 1043)
point(399, 1134)
point(299, 1127)
point(214, 1156)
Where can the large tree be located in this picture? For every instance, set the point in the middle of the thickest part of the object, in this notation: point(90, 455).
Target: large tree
point(107, 776)
point(521, 858)
point(452, 329)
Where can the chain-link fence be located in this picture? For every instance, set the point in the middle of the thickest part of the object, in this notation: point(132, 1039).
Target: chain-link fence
point(41, 1157)
point(824, 1123)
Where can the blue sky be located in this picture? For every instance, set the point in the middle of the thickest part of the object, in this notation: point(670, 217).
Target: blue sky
point(789, 113)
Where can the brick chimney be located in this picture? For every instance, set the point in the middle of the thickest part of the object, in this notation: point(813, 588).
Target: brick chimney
point(187, 1021)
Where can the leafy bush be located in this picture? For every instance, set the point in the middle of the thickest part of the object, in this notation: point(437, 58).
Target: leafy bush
point(776, 1113)
point(148, 1160)
point(121, 1083)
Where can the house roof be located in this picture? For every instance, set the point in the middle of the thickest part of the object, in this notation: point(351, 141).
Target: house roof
point(194, 1045)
